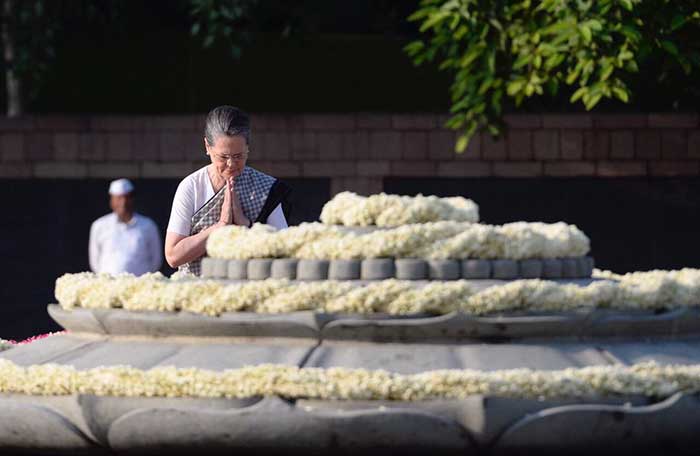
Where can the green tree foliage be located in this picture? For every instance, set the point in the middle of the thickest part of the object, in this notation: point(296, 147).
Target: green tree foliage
point(30, 32)
point(27, 35)
point(221, 20)
point(512, 50)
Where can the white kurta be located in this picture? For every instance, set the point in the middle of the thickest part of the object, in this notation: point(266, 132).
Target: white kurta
point(133, 247)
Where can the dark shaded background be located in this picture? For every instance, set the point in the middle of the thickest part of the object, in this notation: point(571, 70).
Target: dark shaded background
point(117, 56)
point(633, 224)
point(45, 228)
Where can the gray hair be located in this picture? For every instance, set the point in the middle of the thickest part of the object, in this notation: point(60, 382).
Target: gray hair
point(226, 120)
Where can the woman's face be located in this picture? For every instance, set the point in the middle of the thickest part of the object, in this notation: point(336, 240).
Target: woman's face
point(228, 154)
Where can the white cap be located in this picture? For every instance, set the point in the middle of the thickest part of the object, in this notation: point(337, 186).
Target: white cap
point(121, 187)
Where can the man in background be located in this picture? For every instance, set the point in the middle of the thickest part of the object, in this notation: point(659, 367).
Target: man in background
point(124, 241)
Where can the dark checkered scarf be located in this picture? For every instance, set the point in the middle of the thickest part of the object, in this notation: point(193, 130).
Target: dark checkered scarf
point(252, 188)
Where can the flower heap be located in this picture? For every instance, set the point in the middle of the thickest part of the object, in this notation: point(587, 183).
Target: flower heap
point(436, 240)
point(350, 209)
point(637, 291)
point(6, 344)
point(648, 379)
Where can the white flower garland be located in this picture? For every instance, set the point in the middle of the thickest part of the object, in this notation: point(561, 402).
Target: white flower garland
point(5, 345)
point(350, 209)
point(438, 240)
point(649, 379)
point(650, 290)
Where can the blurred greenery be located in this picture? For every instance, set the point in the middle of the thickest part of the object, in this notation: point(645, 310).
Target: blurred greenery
point(503, 52)
point(175, 56)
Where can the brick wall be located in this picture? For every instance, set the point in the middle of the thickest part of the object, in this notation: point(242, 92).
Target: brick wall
point(356, 150)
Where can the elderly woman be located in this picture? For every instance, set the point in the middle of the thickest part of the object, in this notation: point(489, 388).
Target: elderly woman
point(225, 192)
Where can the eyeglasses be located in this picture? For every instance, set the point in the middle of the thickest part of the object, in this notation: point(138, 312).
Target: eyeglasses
point(232, 158)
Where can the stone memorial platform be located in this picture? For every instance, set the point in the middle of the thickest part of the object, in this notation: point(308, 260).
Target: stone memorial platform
point(406, 345)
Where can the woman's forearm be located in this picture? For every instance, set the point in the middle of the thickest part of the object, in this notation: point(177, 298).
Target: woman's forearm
point(190, 248)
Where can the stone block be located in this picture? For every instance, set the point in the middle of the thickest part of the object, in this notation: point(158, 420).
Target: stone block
point(648, 144)
point(523, 121)
point(385, 145)
point(569, 168)
point(673, 120)
point(39, 429)
point(65, 146)
point(119, 147)
point(443, 269)
point(571, 145)
point(284, 268)
point(92, 146)
point(674, 144)
point(476, 269)
point(622, 144)
point(570, 268)
point(411, 269)
point(493, 149)
point(414, 121)
point(259, 268)
point(596, 144)
point(279, 168)
point(626, 168)
point(552, 268)
point(113, 170)
point(356, 145)
point(238, 269)
point(674, 168)
point(464, 168)
point(38, 146)
point(312, 269)
point(303, 145)
point(13, 170)
point(620, 121)
point(69, 170)
point(329, 121)
point(344, 269)
point(316, 168)
point(163, 170)
point(214, 268)
point(330, 145)
point(78, 320)
point(505, 269)
point(566, 121)
point(517, 169)
point(530, 269)
point(586, 265)
point(519, 145)
point(424, 168)
point(546, 144)
point(378, 268)
point(441, 145)
point(12, 147)
point(368, 168)
point(415, 145)
point(275, 145)
point(373, 121)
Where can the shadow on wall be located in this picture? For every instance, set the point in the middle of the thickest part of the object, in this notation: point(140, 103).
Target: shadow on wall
point(45, 228)
point(634, 223)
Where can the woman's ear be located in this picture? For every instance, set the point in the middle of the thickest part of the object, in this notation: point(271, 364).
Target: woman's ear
point(206, 146)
